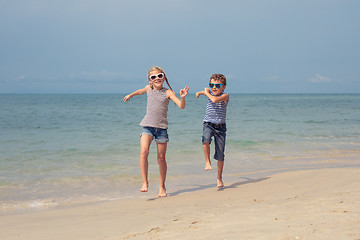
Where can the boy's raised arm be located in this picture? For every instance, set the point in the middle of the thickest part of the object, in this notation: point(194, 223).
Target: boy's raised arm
point(216, 99)
point(200, 93)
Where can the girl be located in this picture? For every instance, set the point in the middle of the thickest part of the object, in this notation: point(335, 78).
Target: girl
point(155, 123)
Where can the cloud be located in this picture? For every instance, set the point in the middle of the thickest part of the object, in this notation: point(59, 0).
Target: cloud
point(20, 78)
point(230, 76)
point(320, 79)
point(103, 75)
point(275, 79)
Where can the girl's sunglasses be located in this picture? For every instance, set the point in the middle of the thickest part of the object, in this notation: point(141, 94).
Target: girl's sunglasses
point(217, 85)
point(159, 75)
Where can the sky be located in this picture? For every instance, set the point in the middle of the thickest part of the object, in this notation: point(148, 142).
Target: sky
point(108, 46)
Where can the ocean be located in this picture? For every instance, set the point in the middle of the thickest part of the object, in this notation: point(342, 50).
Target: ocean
point(73, 148)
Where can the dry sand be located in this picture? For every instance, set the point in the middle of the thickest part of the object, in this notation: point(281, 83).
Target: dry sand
point(311, 204)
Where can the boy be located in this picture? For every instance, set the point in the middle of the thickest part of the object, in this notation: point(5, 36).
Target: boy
point(215, 122)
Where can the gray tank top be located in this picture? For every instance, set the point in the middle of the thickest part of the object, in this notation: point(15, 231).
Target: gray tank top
point(156, 110)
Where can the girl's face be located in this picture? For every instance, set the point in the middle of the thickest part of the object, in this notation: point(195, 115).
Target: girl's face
point(216, 91)
point(156, 79)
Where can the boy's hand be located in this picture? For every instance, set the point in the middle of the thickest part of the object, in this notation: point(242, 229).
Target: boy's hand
point(184, 92)
point(198, 94)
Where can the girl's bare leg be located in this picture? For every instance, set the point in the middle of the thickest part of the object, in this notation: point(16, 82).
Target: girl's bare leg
point(220, 167)
point(206, 148)
point(161, 152)
point(145, 142)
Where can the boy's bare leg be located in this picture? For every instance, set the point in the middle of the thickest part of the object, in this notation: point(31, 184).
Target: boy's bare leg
point(161, 152)
point(145, 142)
point(206, 148)
point(220, 167)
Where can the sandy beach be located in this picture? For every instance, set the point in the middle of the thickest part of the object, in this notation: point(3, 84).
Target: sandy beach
point(310, 204)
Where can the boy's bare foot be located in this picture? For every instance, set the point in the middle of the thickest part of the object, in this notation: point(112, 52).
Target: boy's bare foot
point(162, 192)
point(144, 187)
point(208, 166)
point(220, 183)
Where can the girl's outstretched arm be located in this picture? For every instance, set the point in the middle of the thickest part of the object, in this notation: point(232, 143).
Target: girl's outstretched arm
point(178, 102)
point(141, 91)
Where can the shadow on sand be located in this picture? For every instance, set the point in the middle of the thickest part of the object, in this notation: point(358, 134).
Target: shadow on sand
point(247, 181)
point(202, 187)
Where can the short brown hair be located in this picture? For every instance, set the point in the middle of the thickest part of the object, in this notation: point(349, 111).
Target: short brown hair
point(219, 77)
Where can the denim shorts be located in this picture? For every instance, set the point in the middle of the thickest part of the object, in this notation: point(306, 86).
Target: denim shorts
point(160, 134)
point(218, 131)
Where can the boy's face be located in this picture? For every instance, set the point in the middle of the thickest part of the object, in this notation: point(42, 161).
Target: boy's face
point(214, 90)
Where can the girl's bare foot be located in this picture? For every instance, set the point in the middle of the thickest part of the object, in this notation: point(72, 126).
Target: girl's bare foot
point(208, 166)
point(220, 183)
point(162, 192)
point(144, 187)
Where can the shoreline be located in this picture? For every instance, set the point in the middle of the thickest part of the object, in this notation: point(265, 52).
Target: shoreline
point(117, 188)
point(176, 184)
point(300, 204)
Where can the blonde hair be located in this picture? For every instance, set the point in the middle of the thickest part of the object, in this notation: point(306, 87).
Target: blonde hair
point(160, 70)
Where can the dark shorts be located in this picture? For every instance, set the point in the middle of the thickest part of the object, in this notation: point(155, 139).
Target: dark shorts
point(160, 134)
point(218, 131)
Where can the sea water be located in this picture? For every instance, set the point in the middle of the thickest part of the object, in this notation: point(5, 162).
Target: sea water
point(62, 149)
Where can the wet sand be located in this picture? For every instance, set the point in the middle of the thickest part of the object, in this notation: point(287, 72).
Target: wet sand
point(307, 204)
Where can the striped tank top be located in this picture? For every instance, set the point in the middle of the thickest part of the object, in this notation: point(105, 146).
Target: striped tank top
point(216, 112)
point(156, 110)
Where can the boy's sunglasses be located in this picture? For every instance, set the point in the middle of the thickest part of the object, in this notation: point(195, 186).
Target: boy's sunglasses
point(217, 85)
point(159, 75)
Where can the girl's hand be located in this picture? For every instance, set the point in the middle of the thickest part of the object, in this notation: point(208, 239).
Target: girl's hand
point(141, 91)
point(127, 98)
point(184, 92)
